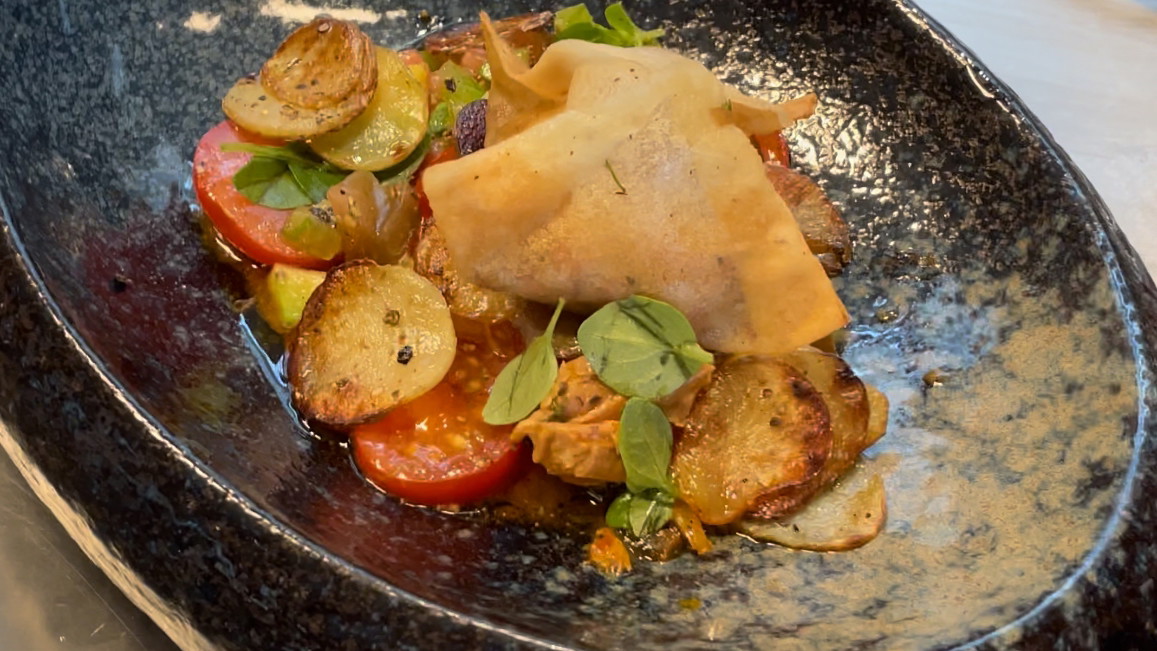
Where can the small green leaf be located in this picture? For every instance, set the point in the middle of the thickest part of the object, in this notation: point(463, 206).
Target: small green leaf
point(619, 21)
point(573, 15)
point(525, 380)
point(576, 22)
point(645, 446)
point(648, 514)
point(642, 514)
point(314, 181)
point(269, 182)
point(618, 513)
point(283, 153)
point(641, 347)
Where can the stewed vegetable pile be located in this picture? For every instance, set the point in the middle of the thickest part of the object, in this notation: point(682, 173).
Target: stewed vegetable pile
point(545, 267)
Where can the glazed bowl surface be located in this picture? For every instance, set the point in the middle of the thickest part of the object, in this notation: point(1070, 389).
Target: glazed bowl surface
point(993, 300)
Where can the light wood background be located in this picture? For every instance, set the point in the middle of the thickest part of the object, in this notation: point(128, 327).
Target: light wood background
point(1088, 70)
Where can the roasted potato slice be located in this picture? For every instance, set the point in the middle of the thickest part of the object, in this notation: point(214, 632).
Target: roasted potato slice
point(847, 516)
point(389, 129)
point(759, 427)
point(825, 232)
point(877, 414)
point(371, 337)
point(321, 78)
point(847, 403)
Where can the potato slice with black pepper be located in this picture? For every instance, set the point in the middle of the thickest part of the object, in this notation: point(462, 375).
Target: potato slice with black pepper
point(759, 427)
point(847, 516)
point(847, 401)
point(371, 337)
point(321, 78)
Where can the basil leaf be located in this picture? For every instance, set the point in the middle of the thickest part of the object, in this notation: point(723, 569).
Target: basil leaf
point(269, 182)
point(284, 153)
point(645, 446)
point(641, 347)
point(525, 380)
point(314, 181)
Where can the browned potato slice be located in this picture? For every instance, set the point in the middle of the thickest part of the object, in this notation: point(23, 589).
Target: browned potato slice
point(847, 402)
point(371, 337)
point(877, 414)
point(321, 64)
point(824, 230)
point(849, 515)
point(321, 78)
point(389, 129)
point(759, 427)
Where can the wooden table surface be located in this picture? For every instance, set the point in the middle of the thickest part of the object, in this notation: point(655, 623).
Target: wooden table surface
point(1088, 70)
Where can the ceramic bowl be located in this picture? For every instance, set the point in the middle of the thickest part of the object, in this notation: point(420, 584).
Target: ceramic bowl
point(993, 300)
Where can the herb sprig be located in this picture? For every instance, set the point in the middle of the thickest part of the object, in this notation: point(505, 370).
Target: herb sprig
point(576, 22)
point(643, 349)
point(283, 177)
point(525, 380)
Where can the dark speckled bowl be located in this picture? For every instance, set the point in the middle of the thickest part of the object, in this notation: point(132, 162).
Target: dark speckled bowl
point(135, 400)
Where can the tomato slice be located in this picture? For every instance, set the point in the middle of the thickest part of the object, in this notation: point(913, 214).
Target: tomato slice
point(253, 229)
point(437, 449)
point(773, 147)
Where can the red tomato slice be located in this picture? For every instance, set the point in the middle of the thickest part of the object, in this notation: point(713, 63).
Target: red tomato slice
point(773, 147)
point(253, 229)
point(437, 449)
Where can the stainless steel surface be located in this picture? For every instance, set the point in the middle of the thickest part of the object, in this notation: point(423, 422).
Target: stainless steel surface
point(51, 596)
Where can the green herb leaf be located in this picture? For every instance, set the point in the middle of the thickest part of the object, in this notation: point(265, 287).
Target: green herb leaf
point(643, 514)
point(287, 153)
point(525, 380)
point(576, 22)
point(283, 177)
point(459, 87)
point(619, 512)
point(574, 15)
point(314, 181)
point(641, 347)
point(649, 513)
point(645, 446)
point(269, 182)
point(619, 21)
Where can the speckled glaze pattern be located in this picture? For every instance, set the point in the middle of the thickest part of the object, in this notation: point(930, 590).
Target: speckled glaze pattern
point(1021, 484)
